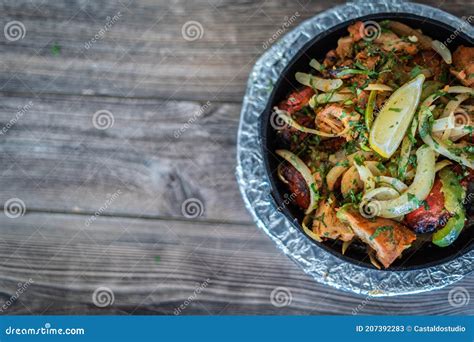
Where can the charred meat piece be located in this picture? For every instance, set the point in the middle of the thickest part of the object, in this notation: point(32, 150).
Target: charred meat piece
point(291, 136)
point(468, 183)
point(331, 145)
point(331, 59)
point(297, 100)
point(430, 217)
point(463, 61)
point(387, 237)
point(468, 176)
point(431, 60)
point(296, 184)
point(327, 225)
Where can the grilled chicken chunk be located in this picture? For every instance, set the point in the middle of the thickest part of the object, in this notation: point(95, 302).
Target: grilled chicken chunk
point(356, 31)
point(387, 237)
point(391, 42)
point(344, 47)
point(335, 119)
point(463, 61)
point(327, 225)
point(345, 44)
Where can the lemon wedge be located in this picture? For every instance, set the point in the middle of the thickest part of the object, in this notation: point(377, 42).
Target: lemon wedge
point(391, 124)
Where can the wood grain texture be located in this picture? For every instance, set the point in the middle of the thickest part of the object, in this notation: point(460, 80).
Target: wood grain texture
point(162, 149)
point(144, 54)
point(156, 155)
point(238, 265)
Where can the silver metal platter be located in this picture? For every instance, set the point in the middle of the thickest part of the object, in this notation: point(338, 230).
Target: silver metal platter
point(255, 187)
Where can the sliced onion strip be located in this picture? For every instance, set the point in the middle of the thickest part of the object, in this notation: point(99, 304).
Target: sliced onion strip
point(316, 65)
point(280, 176)
point(318, 82)
point(443, 124)
point(394, 182)
point(378, 86)
point(334, 174)
point(417, 191)
point(383, 193)
point(345, 246)
point(366, 176)
point(454, 104)
point(459, 90)
point(449, 113)
point(442, 164)
point(311, 234)
point(438, 145)
point(336, 97)
point(406, 150)
point(442, 50)
point(345, 90)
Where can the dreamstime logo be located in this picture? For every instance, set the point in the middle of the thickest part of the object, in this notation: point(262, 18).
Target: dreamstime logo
point(110, 21)
point(197, 291)
point(14, 208)
point(281, 297)
point(22, 287)
point(369, 208)
point(288, 199)
point(277, 122)
point(103, 296)
point(19, 114)
point(370, 30)
point(469, 198)
point(369, 297)
point(288, 21)
point(196, 116)
point(467, 21)
point(101, 210)
point(192, 30)
point(14, 30)
point(458, 297)
point(192, 208)
point(103, 119)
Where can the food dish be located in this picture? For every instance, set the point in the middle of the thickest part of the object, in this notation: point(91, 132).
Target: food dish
point(362, 145)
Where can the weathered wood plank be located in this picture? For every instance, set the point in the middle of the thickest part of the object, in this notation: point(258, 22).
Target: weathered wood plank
point(143, 52)
point(155, 156)
point(154, 266)
point(56, 161)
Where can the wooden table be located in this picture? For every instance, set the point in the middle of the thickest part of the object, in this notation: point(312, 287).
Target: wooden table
point(104, 206)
